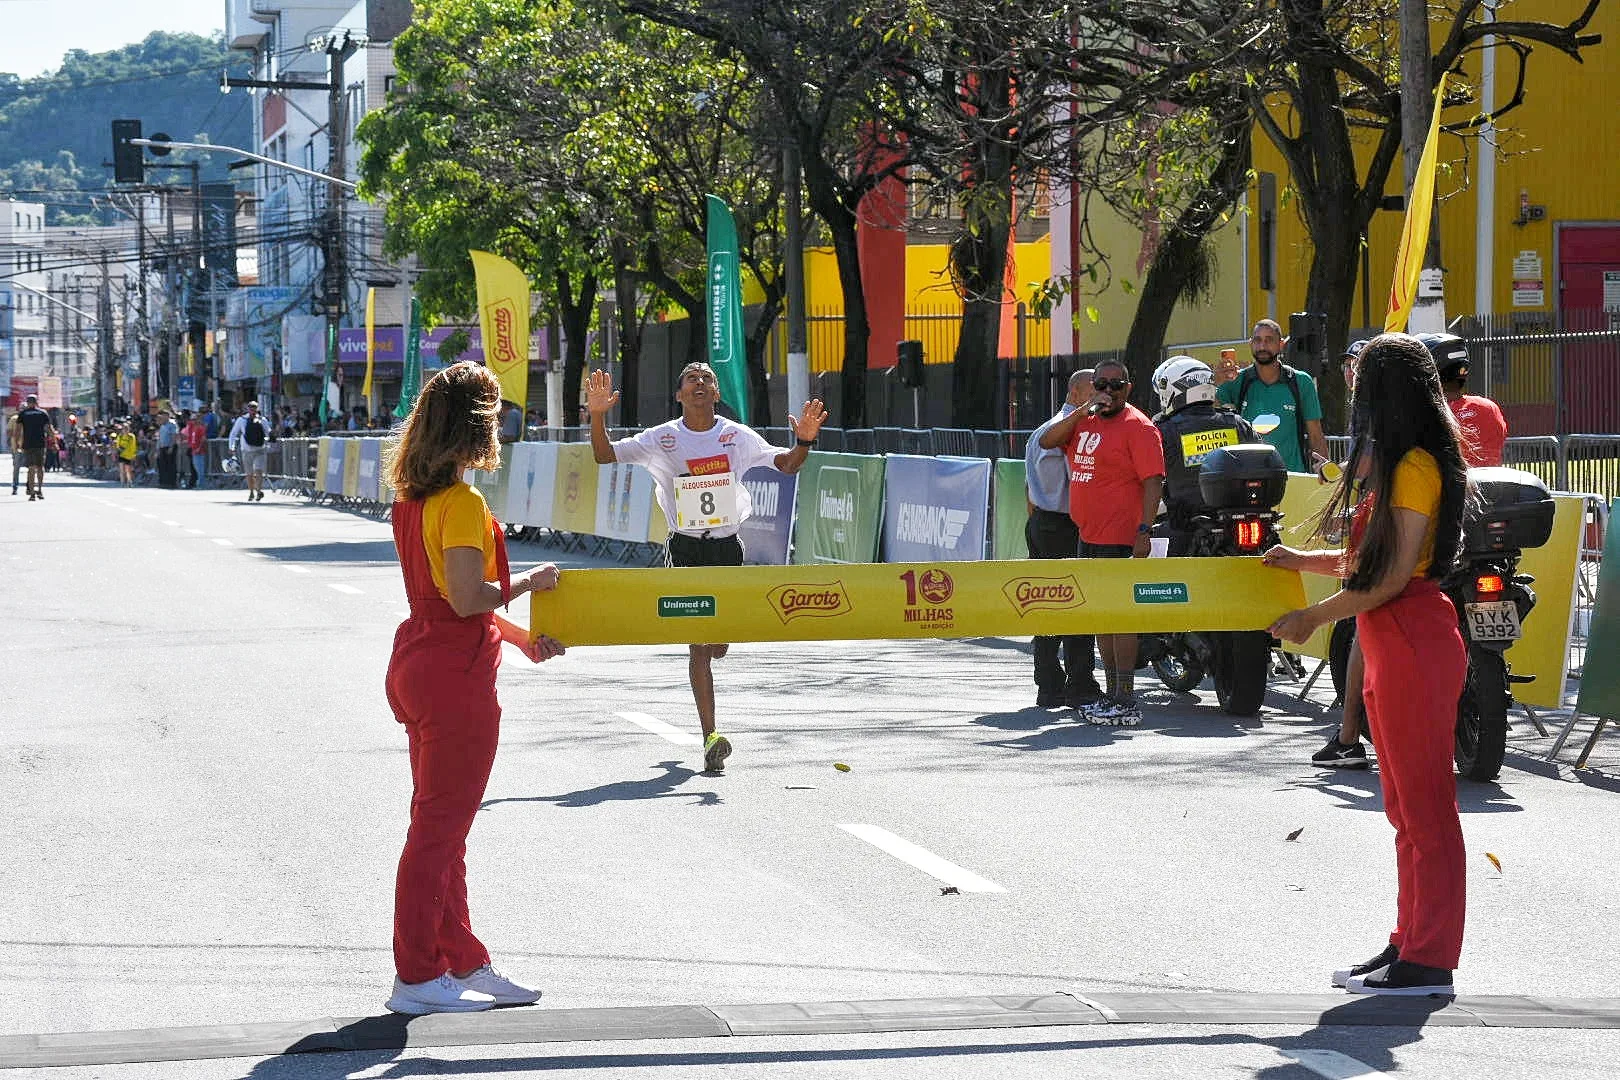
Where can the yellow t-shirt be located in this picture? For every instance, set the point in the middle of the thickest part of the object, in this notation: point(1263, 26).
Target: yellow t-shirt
point(126, 446)
point(457, 517)
point(1417, 487)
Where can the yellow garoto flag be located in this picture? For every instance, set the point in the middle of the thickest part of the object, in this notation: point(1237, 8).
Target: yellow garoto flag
point(1403, 285)
point(371, 340)
point(503, 315)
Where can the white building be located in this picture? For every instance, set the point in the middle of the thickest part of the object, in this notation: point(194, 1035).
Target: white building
point(294, 41)
point(23, 291)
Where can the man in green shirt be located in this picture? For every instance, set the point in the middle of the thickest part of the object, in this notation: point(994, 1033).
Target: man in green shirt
point(1279, 401)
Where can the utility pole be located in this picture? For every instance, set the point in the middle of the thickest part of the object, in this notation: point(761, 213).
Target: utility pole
point(338, 51)
point(798, 353)
point(171, 305)
point(104, 341)
point(1417, 104)
point(143, 329)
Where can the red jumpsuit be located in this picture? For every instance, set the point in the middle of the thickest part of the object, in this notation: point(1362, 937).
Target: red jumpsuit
point(1415, 666)
point(441, 686)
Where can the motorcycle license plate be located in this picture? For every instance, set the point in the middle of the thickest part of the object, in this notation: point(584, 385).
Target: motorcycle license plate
point(1497, 620)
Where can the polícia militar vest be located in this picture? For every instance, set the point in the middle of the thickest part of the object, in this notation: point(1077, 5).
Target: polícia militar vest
point(1179, 432)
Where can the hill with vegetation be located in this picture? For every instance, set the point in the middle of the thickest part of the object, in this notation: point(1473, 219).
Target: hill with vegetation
point(56, 128)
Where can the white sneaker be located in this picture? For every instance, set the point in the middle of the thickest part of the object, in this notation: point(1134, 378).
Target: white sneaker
point(443, 994)
point(486, 980)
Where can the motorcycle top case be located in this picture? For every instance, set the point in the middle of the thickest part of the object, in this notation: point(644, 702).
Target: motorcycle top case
point(1242, 477)
point(1510, 510)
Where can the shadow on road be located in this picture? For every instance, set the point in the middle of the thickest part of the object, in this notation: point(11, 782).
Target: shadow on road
point(1361, 1042)
point(665, 786)
point(1359, 789)
point(361, 553)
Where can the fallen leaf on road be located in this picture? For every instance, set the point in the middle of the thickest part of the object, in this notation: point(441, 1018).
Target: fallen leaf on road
point(950, 890)
point(1295, 888)
point(801, 787)
point(1295, 834)
point(840, 766)
point(1494, 861)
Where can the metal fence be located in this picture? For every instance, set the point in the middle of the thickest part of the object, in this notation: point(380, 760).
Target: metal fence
point(1553, 373)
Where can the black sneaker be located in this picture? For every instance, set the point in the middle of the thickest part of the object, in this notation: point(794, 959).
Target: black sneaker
point(1050, 699)
point(1402, 979)
point(1343, 976)
point(1338, 755)
point(1078, 697)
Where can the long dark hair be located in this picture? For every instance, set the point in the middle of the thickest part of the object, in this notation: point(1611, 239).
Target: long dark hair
point(453, 427)
point(1398, 407)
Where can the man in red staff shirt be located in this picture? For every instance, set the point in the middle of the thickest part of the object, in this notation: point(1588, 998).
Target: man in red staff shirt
point(1484, 429)
point(1116, 473)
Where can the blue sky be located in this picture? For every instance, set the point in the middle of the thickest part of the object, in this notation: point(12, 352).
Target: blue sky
point(35, 33)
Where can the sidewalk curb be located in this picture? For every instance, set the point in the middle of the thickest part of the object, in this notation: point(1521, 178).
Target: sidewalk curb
point(631, 1024)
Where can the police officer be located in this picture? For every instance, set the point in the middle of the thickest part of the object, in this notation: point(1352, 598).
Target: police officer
point(1190, 426)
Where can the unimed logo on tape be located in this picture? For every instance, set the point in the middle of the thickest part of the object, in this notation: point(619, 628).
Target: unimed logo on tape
point(818, 600)
point(686, 607)
point(1163, 592)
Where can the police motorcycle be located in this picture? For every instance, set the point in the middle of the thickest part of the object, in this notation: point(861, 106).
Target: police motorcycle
point(1508, 510)
point(1221, 490)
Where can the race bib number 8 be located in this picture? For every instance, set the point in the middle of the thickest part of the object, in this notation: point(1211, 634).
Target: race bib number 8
point(705, 502)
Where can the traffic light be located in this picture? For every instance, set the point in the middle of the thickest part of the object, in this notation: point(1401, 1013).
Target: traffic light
point(910, 356)
point(129, 162)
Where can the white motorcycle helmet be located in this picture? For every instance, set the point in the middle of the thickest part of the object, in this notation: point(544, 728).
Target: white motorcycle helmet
point(1182, 381)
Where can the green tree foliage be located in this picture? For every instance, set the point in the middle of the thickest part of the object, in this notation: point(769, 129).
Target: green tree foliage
point(578, 145)
point(56, 128)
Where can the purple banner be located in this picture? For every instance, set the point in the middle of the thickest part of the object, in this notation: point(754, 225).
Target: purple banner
point(391, 348)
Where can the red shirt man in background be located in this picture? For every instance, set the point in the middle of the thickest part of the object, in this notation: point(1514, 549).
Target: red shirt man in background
point(1116, 473)
point(1484, 430)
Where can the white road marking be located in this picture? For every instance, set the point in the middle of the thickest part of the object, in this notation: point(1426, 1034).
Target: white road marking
point(222, 542)
point(195, 532)
point(149, 517)
point(296, 569)
point(922, 859)
point(172, 524)
point(342, 588)
point(1334, 1066)
point(661, 729)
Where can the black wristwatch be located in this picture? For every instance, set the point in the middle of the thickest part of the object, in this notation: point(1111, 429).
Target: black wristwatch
point(804, 442)
point(1144, 530)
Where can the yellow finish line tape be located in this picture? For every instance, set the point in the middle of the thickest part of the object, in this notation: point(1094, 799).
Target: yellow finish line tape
point(698, 605)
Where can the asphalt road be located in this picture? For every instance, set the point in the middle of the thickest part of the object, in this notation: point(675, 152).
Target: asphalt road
point(206, 796)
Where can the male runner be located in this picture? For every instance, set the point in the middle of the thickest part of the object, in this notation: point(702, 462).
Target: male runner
point(35, 425)
point(698, 462)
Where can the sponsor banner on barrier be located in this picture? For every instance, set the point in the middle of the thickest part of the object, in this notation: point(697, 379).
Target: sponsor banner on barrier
point(573, 504)
point(323, 460)
point(840, 509)
point(1011, 511)
point(532, 481)
point(492, 484)
point(370, 462)
point(624, 501)
point(1543, 651)
point(351, 468)
point(692, 605)
point(935, 509)
point(1600, 681)
point(768, 532)
point(332, 475)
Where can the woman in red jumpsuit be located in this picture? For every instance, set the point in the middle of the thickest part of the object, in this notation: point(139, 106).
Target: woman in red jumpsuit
point(441, 684)
point(1406, 532)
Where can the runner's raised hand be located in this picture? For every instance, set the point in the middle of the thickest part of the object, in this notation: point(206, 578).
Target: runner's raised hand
point(599, 393)
point(807, 425)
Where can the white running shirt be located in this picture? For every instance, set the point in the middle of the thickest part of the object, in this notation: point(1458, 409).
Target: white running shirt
point(673, 449)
